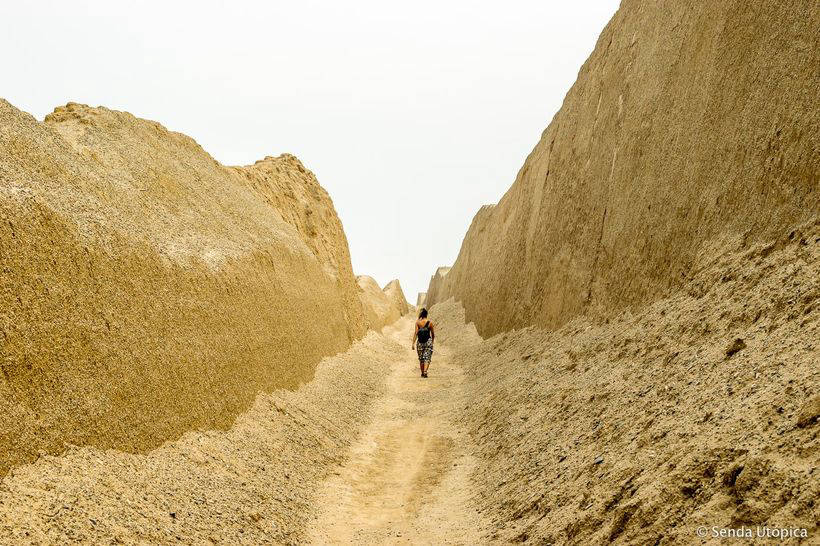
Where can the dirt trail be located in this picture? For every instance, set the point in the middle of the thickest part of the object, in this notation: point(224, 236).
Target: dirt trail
point(406, 480)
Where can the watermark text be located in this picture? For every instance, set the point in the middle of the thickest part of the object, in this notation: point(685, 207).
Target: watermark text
point(757, 531)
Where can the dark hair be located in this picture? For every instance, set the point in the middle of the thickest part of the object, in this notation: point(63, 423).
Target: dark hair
point(423, 313)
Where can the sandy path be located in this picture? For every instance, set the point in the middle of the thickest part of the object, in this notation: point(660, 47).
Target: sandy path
point(406, 480)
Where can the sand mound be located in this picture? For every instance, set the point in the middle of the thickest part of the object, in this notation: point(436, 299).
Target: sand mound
point(379, 308)
point(690, 121)
point(396, 295)
point(253, 484)
point(147, 289)
point(702, 409)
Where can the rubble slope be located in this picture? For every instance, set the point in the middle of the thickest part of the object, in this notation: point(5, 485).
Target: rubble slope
point(699, 410)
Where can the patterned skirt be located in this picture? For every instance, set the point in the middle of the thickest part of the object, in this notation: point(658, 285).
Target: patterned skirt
point(425, 350)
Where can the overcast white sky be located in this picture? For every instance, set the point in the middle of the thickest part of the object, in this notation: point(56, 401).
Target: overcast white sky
point(411, 114)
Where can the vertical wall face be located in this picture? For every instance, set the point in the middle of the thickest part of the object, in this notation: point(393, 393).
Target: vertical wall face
point(421, 298)
point(147, 290)
point(436, 290)
point(690, 121)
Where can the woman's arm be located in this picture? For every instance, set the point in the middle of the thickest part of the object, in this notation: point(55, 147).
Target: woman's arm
point(432, 332)
point(415, 334)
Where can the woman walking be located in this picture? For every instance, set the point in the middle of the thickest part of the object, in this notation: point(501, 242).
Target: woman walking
point(423, 338)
